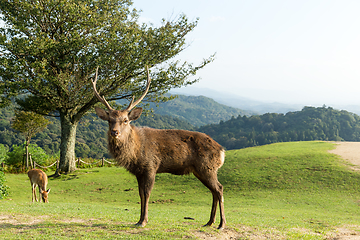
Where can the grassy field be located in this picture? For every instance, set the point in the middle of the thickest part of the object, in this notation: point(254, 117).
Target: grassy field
point(280, 191)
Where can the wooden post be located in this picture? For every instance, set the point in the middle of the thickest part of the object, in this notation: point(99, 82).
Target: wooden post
point(27, 155)
point(31, 162)
point(79, 163)
point(102, 162)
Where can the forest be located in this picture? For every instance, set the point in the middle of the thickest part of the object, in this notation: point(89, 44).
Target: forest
point(311, 123)
point(91, 135)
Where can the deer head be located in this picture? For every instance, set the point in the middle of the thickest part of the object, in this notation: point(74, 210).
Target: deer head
point(44, 195)
point(119, 120)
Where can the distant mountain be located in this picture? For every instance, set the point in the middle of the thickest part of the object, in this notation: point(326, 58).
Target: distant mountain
point(198, 110)
point(236, 101)
point(255, 106)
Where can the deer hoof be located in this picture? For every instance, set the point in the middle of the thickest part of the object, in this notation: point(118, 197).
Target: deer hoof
point(221, 225)
point(208, 224)
point(220, 228)
point(140, 224)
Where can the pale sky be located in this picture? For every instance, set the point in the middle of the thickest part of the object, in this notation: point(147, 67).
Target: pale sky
point(290, 51)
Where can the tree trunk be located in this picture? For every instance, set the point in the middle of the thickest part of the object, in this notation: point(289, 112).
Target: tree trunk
point(67, 145)
point(27, 154)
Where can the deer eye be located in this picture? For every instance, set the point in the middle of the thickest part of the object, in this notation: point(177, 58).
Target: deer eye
point(126, 121)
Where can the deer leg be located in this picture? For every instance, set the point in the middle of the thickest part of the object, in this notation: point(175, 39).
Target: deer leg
point(145, 183)
point(221, 206)
point(213, 210)
point(211, 182)
point(33, 186)
point(40, 193)
point(32, 192)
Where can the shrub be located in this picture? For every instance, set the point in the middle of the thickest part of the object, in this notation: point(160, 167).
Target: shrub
point(16, 156)
point(3, 150)
point(4, 190)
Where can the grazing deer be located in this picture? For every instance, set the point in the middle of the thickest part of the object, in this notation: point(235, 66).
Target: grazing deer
point(39, 178)
point(145, 152)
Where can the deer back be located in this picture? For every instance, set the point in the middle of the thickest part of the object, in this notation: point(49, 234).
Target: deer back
point(38, 177)
point(172, 151)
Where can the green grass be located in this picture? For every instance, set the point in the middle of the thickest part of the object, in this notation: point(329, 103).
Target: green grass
point(279, 191)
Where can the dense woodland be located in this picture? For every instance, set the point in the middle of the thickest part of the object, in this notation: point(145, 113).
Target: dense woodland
point(323, 123)
point(91, 135)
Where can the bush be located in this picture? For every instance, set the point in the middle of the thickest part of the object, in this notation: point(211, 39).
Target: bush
point(4, 190)
point(3, 150)
point(16, 156)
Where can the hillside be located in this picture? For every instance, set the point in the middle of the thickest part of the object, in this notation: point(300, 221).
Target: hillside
point(308, 124)
point(91, 133)
point(237, 101)
point(198, 110)
point(180, 113)
point(280, 191)
point(323, 123)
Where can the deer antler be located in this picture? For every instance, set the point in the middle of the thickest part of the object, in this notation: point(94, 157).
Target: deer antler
point(132, 103)
point(102, 99)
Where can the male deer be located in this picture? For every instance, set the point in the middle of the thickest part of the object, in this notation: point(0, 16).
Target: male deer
point(145, 152)
point(39, 178)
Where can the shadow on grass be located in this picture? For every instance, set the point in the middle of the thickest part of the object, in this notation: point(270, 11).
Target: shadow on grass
point(71, 230)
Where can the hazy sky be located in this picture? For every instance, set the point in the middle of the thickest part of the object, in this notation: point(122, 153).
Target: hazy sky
point(291, 51)
point(295, 51)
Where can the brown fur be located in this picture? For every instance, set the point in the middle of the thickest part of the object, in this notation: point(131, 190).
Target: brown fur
point(39, 178)
point(145, 152)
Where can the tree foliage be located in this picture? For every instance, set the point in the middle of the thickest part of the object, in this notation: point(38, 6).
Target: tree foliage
point(50, 49)
point(16, 156)
point(91, 133)
point(3, 150)
point(4, 189)
point(29, 123)
point(308, 124)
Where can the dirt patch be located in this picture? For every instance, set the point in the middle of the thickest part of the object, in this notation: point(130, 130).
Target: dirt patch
point(225, 234)
point(21, 219)
point(349, 151)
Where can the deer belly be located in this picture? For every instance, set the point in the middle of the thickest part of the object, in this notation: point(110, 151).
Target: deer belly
point(176, 168)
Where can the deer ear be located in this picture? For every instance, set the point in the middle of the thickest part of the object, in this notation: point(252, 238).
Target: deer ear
point(104, 115)
point(135, 114)
point(48, 190)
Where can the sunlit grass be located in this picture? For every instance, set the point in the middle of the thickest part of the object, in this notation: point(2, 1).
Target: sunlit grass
point(281, 191)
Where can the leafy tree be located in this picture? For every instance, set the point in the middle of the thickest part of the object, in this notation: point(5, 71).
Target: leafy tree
point(50, 49)
point(29, 124)
point(308, 124)
point(15, 157)
point(4, 190)
point(3, 150)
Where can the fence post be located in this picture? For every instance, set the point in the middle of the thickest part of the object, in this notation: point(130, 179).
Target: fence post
point(79, 163)
point(57, 163)
point(32, 164)
point(102, 162)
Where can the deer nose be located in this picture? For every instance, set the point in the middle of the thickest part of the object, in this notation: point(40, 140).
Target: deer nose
point(114, 133)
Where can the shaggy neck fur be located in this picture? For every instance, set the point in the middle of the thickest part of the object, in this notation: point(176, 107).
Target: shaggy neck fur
point(125, 149)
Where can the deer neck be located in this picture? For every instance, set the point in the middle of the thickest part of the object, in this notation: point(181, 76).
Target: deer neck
point(125, 150)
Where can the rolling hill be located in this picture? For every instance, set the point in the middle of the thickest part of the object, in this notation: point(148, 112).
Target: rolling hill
point(198, 110)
